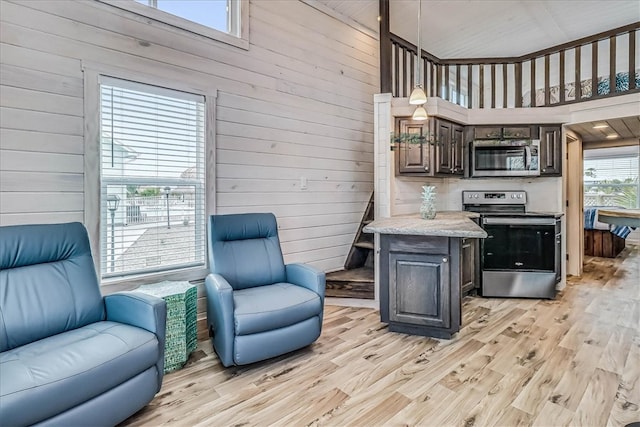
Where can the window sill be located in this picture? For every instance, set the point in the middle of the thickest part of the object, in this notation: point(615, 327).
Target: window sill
point(131, 282)
point(184, 24)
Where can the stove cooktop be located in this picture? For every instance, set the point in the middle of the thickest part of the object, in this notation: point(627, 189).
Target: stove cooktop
point(501, 203)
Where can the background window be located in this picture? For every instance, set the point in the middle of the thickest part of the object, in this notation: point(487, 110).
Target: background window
point(217, 14)
point(152, 182)
point(611, 177)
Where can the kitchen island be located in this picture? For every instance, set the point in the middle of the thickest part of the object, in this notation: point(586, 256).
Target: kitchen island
point(424, 267)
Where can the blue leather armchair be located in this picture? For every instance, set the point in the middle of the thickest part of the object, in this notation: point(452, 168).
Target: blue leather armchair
point(258, 307)
point(68, 356)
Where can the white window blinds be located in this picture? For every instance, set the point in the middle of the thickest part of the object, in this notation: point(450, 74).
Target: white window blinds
point(611, 177)
point(152, 153)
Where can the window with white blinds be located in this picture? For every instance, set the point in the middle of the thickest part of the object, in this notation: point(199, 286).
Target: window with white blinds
point(152, 197)
point(611, 177)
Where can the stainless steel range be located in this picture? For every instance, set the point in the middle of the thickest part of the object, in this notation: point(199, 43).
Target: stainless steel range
point(521, 255)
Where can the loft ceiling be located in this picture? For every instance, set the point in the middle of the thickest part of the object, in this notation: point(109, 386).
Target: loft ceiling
point(627, 130)
point(492, 28)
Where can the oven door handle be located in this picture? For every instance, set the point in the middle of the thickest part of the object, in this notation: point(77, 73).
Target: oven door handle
point(527, 158)
point(519, 221)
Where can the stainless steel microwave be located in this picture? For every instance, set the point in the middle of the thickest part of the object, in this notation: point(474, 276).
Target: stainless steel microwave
point(505, 158)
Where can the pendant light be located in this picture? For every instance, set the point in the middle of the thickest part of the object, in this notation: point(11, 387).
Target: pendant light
point(420, 113)
point(418, 97)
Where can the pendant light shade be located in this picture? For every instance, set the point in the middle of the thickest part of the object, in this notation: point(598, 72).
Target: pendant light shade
point(420, 113)
point(418, 97)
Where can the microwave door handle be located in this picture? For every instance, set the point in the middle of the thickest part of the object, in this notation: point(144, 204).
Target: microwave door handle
point(527, 159)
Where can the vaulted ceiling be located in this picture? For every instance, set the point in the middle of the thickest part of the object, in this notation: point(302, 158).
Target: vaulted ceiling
point(502, 28)
point(492, 28)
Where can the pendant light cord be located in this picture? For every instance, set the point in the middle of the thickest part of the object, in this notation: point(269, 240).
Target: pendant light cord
point(419, 56)
point(418, 95)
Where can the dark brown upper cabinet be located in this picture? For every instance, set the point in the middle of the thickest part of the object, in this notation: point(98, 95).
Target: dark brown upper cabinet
point(502, 132)
point(550, 151)
point(413, 156)
point(449, 148)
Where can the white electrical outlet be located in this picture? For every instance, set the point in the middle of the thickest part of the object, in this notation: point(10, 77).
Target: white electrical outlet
point(303, 182)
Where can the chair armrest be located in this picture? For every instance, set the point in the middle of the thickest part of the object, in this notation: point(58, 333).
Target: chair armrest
point(306, 276)
point(144, 311)
point(137, 309)
point(220, 323)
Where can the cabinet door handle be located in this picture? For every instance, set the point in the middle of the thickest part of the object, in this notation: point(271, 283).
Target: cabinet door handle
point(445, 259)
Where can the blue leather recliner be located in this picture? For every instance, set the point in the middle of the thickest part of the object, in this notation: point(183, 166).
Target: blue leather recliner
point(258, 307)
point(68, 356)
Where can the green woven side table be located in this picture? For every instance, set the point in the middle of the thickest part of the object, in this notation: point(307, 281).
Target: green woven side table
point(181, 298)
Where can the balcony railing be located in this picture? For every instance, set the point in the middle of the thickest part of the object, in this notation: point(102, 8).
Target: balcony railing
point(599, 66)
point(624, 195)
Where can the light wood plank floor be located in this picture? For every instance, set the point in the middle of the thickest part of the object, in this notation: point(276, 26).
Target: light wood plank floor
point(571, 361)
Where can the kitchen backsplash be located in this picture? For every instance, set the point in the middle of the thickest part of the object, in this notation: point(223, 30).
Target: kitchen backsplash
point(543, 194)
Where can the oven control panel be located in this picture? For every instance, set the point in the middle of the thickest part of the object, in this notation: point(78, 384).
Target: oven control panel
point(494, 197)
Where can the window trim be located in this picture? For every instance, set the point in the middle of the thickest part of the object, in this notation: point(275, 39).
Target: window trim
point(92, 164)
point(239, 37)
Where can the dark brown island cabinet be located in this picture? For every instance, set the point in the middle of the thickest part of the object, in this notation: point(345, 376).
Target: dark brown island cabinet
point(423, 277)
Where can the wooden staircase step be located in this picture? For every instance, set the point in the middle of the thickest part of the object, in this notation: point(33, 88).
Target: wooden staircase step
point(356, 280)
point(356, 283)
point(364, 245)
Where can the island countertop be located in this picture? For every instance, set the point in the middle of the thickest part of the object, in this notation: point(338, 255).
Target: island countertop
point(445, 224)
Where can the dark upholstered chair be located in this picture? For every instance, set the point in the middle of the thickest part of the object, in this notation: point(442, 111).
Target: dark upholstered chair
point(258, 307)
point(68, 356)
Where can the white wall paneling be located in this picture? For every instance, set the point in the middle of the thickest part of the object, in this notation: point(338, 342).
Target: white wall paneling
point(384, 160)
point(26, 99)
point(42, 81)
point(29, 181)
point(55, 201)
point(13, 118)
point(296, 105)
point(23, 140)
point(41, 217)
point(383, 157)
point(16, 160)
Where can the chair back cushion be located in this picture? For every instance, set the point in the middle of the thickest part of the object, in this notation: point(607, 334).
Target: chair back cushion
point(48, 283)
point(245, 249)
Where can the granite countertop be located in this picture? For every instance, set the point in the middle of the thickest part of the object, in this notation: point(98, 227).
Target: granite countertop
point(445, 224)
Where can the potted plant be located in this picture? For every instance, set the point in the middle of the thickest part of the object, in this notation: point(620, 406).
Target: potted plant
point(410, 138)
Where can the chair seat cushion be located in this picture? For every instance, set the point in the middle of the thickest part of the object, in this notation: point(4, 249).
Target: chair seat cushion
point(49, 376)
point(264, 308)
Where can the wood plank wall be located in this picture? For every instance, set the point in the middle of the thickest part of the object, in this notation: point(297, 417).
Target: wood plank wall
point(298, 103)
